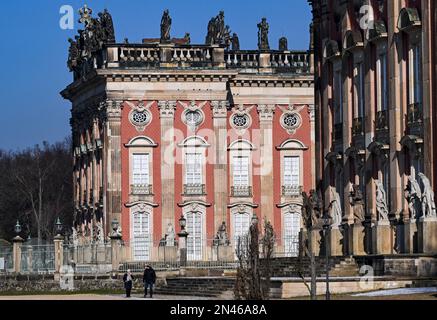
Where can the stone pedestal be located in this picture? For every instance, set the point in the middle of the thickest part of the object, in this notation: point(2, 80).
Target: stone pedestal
point(357, 235)
point(168, 254)
point(427, 235)
point(334, 241)
point(381, 238)
point(223, 253)
point(410, 237)
point(115, 253)
point(59, 255)
point(18, 243)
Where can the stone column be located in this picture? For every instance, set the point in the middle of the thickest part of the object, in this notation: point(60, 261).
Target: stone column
point(18, 243)
point(113, 162)
point(427, 235)
point(395, 103)
point(266, 113)
point(312, 113)
point(59, 255)
point(167, 111)
point(219, 110)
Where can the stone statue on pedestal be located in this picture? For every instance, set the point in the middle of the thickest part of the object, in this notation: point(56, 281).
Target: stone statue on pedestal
point(357, 203)
point(428, 202)
point(221, 238)
point(165, 27)
point(381, 202)
point(335, 211)
point(263, 35)
point(170, 236)
point(413, 194)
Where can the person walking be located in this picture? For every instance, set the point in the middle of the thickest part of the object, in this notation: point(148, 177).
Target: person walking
point(149, 279)
point(128, 280)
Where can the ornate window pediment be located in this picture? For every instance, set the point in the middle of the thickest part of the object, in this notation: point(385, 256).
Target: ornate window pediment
point(241, 145)
point(409, 19)
point(292, 144)
point(353, 40)
point(331, 50)
point(194, 142)
point(141, 141)
point(378, 32)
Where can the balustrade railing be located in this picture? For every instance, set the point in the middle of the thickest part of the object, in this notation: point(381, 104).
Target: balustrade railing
point(415, 114)
point(381, 120)
point(358, 126)
point(292, 191)
point(241, 191)
point(142, 189)
point(194, 189)
point(144, 55)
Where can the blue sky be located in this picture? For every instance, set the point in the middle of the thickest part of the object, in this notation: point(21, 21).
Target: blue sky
point(34, 50)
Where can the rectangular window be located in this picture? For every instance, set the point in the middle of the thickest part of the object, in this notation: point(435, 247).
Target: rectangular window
point(140, 169)
point(415, 69)
point(359, 90)
point(338, 98)
point(193, 168)
point(292, 171)
point(241, 171)
point(382, 81)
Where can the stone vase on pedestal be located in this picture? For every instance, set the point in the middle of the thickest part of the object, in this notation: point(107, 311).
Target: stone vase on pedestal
point(410, 237)
point(334, 241)
point(358, 234)
point(427, 235)
point(381, 238)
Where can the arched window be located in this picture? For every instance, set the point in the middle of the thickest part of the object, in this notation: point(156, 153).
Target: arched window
point(195, 236)
point(141, 240)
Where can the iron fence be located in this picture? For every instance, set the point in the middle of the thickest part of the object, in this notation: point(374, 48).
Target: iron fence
point(38, 259)
point(6, 259)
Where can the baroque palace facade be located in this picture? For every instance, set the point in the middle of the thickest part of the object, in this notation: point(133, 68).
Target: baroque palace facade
point(375, 97)
point(164, 129)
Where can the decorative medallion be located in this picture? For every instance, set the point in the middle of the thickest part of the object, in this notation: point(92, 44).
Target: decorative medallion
point(241, 119)
point(291, 119)
point(140, 116)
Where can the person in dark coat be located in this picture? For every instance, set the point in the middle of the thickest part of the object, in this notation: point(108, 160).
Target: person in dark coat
point(149, 279)
point(128, 280)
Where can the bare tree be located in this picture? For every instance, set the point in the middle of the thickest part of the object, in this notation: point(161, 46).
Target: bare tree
point(36, 188)
point(253, 277)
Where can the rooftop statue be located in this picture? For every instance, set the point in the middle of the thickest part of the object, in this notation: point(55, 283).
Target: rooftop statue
point(263, 35)
point(218, 32)
point(235, 42)
point(107, 26)
point(165, 27)
point(283, 44)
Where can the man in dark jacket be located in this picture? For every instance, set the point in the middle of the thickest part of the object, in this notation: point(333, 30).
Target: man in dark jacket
point(149, 279)
point(128, 280)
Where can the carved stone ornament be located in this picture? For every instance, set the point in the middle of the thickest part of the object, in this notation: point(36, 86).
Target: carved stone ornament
point(140, 116)
point(381, 202)
point(167, 108)
point(219, 109)
point(193, 116)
